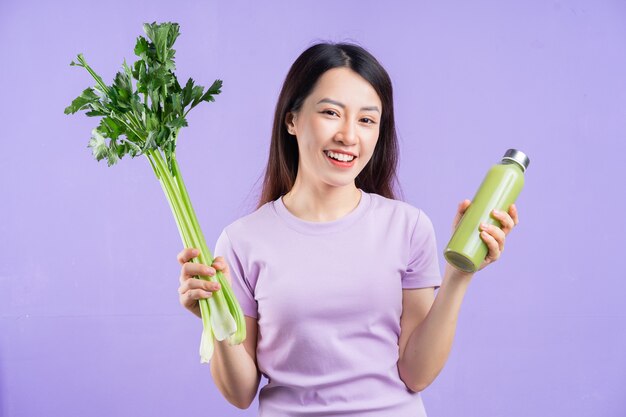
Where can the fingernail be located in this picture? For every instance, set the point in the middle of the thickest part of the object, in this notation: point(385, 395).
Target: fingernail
point(209, 271)
point(484, 226)
point(497, 212)
point(217, 286)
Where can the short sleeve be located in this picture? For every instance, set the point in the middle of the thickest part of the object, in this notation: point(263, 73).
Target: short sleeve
point(423, 264)
point(244, 292)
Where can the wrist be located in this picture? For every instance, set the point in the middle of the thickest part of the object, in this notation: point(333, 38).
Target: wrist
point(457, 276)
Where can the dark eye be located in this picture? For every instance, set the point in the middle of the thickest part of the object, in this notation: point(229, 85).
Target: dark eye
point(330, 112)
point(368, 121)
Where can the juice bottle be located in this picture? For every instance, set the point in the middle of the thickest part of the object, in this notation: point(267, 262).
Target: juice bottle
point(500, 188)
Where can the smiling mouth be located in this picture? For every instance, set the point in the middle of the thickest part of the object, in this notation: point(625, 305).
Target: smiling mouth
point(340, 157)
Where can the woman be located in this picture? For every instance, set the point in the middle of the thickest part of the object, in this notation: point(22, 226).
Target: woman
point(336, 278)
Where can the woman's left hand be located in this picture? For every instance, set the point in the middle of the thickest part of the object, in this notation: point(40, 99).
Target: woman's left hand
point(492, 235)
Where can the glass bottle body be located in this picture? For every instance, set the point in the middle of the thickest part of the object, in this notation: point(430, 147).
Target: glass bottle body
point(499, 189)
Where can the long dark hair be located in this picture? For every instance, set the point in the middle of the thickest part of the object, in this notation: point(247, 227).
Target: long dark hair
point(379, 175)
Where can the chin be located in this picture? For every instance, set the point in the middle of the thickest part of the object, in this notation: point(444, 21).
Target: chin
point(341, 183)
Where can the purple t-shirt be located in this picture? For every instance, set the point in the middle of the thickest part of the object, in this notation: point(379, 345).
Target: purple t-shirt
point(328, 300)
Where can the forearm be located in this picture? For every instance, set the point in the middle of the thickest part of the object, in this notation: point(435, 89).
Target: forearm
point(235, 374)
point(430, 343)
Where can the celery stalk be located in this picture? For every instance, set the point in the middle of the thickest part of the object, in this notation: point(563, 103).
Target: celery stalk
point(216, 311)
point(132, 126)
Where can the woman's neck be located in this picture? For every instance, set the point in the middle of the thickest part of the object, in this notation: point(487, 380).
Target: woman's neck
point(321, 204)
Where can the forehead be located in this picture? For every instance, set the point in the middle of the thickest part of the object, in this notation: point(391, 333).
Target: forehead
point(344, 85)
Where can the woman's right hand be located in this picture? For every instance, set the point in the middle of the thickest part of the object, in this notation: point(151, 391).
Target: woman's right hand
point(192, 289)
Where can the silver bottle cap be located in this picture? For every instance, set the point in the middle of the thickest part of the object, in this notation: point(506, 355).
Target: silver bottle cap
point(518, 157)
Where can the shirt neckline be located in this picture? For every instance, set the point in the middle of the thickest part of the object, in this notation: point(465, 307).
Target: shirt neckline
point(318, 228)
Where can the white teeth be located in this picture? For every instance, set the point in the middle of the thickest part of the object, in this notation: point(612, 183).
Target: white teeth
point(340, 156)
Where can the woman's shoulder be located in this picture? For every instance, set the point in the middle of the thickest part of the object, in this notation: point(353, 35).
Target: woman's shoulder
point(401, 217)
point(390, 206)
point(259, 220)
point(401, 213)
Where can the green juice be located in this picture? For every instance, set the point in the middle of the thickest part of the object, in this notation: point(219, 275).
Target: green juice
point(500, 188)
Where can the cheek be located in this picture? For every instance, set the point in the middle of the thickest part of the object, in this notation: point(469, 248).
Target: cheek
point(370, 142)
point(309, 129)
point(317, 128)
point(309, 145)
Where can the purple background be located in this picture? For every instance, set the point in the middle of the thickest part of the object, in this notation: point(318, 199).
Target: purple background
point(90, 323)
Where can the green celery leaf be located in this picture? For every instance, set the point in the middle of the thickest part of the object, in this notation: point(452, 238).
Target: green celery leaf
point(172, 107)
point(94, 113)
point(111, 128)
point(215, 89)
point(177, 123)
point(177, 107)
point(118, 150)
point(83, 101)
point(113, 153)
point(163, 37)
point(169, 149)
point(159, 78)
point(122, 149)
point(129, 76)
point(187, 93)
point(142, 48)
point(104, 90)
point(150, 141)
point(169, 63)
point(133, 149)
point(172, 34)
point(175, 87)
point(155, 99)
point(196, 94)
point(141, 75)
point(145, 106)
point(163, 136)
point(123, 85)
point(137, 106)
point(152, 121)
point(99, 108)
point(98, 145)
point(121, 91)
point(133, 138)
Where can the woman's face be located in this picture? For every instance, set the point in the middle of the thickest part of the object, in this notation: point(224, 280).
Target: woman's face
point(336, 128)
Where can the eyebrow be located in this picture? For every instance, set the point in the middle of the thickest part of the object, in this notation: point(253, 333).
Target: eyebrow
point(343, 106)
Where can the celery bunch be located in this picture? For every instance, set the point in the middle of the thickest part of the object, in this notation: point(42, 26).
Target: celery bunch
point(142, 113)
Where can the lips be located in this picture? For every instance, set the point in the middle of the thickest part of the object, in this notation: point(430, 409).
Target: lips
point(339, 151)
point(341, 164)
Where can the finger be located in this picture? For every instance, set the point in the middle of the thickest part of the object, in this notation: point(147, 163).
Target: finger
point(505, 220)
point(197, 294)
point(220, 264)
point(461, 209)
point(514, 214)
point(492, 244)
point(198, 284)
point(223, 268)
point(463, 205)
point(496, 233)
point(186, 255)
point(192, 269)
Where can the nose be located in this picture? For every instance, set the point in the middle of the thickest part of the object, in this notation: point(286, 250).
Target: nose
point(347, 134)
